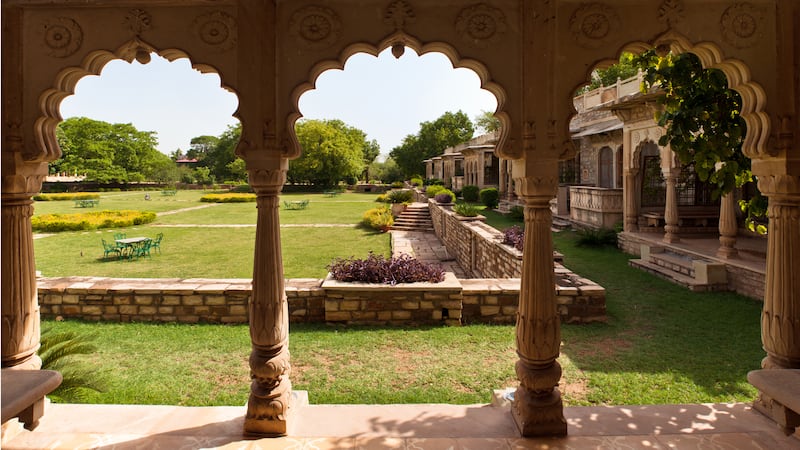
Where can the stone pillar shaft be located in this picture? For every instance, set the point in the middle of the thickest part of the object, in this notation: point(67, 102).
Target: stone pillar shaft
point(537, 408)
point(727, 227)
point(270, 391)
point(20, 305)
point(780, 317)
point(671, 209)
point(629, 194)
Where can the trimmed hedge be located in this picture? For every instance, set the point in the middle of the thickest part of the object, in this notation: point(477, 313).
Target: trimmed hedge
point(66, 196)
point(378, 218)
point(91, 220)
point(490, 197)
point(470, 193)
point(228, 198)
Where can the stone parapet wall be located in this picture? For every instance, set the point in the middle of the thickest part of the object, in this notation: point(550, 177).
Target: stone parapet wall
point(476, 246)
point(453, 302)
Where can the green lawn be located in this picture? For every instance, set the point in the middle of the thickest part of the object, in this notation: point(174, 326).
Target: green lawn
point(662, 344)
point(211, 240)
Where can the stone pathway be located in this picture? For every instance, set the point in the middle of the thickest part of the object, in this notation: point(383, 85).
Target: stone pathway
point(425, 247)
point(177, 211)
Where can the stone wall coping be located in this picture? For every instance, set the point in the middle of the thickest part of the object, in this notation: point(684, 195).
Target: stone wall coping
point(450, 283)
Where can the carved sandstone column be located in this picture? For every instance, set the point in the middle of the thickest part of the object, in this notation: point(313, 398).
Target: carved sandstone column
point(629, 195)
point(270, 391)
point(727, 227)
point(20, 304)
point(537, 407)
point(780, 317)
point(671, 209)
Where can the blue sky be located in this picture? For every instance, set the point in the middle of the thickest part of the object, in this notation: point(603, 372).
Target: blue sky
point(385, 97)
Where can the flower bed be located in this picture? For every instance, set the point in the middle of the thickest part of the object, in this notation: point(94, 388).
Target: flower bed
point(91, 220)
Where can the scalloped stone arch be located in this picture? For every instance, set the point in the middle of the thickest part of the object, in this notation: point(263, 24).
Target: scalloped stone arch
point(754, 98)
point(395, 40)
point(67, 79)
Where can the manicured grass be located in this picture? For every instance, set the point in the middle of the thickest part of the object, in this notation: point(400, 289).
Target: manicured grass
point(202, 249)
point(662, 344)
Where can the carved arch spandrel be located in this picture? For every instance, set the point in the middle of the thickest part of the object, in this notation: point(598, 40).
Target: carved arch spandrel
point(44, 128)
point(754, 98)
point(398, 38)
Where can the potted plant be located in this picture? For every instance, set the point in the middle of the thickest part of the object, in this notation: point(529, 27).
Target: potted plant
point(466, 211)
point(399, 200)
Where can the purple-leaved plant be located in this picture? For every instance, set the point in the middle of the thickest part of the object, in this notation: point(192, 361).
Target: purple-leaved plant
point(381, 270)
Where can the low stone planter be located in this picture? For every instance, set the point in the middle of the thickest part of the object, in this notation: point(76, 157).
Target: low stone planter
point(398, 208)
point(382, 304)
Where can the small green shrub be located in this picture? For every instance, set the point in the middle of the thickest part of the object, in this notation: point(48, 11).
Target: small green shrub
point(434, 189)
point(434, 182)
point(400, 196)
point(445, 196)
point(601, 237)
point(470, 193)
point(490, 197)
point(228, 198)
point(517, 213)
point(382, 198)
point(61, 351)
point(466, 210)
point(378, 218)
point(398, 185)
point(91, 220)
point(416, 181)
point(66, 196)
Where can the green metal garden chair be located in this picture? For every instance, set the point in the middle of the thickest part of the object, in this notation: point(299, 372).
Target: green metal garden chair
point(156, 244)
point(109, 248)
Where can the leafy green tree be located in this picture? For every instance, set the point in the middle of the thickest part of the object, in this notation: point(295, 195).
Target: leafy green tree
point(487, 122)
point(702, 121)
point(107, 152)
point(201, 146)
point(219, 158)
point(332, 152)
point(627, 66)
point(387, 171)
point(432, 139)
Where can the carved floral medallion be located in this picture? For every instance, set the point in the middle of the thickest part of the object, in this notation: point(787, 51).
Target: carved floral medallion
point(742, 25)
point(62, 36)
point(138, 21)
point(670, 12)
point(481, 25)
point(592, 25)
point(398, 14)
point(315, 27)
point(216, 29)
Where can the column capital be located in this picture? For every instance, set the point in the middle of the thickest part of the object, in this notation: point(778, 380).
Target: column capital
point(782, 185)
point(22, 179)
point(267, 174)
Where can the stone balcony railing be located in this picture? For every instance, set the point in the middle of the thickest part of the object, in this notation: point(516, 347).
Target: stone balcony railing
point(607, 94)
point(595, 207)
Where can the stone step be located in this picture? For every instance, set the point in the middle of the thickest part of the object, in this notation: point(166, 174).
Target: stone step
point(672, 261)
point(414, 218)
point(676, 277)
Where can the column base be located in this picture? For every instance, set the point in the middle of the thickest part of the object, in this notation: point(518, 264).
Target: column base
point(784, 417)
point(268, 417)
point(727, 253)
point(539, 415)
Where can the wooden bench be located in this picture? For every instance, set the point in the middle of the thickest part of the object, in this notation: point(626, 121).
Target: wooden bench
point(783, 387)
point(87, 203)
point(23, 394)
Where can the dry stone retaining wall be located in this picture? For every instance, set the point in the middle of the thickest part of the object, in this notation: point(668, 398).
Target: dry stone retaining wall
point(310, 300)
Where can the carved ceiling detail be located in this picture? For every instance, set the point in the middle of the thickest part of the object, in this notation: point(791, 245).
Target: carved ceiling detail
point(670, 12)
point(315, 27)
point(593, 24)
point(398, 14)
point(216, 29)
point(481, 25)
point(742, 25)
point(61, 36)
point(138, 21)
